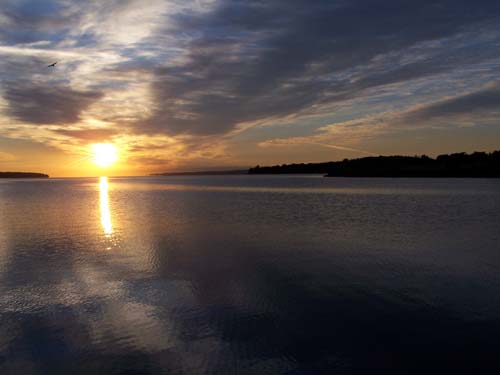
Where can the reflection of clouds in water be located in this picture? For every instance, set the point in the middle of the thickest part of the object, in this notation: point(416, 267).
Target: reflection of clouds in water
point(133, 325)
point(124, 318)
point(103, 296)
point(115, 315)
point(243, 283)
point(114, 304)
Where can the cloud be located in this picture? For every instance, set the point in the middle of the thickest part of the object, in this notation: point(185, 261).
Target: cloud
point(478, 104)
point(472, 108)
point(194, 78)
point(309, 141)
point(34, 21)
point(252, 61)
point(88, 135)
point(43, 104)
point(475, 108)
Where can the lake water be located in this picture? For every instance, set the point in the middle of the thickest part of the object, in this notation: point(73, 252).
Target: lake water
point(249, 275)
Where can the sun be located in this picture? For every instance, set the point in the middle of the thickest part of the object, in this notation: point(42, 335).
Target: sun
point(105, 154)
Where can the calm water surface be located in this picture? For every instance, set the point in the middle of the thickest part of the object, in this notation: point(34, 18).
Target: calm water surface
point(249, 275)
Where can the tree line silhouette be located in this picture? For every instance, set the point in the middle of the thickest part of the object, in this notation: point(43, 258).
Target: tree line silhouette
point(477, 164)
point(22, 175)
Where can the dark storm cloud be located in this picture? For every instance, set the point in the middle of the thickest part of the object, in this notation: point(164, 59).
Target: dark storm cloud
point(257, 60)
point(47, 104)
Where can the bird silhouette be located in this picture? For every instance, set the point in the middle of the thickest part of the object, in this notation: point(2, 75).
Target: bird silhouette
point(53, 65)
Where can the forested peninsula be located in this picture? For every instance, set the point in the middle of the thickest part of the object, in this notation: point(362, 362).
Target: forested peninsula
point(477, 164)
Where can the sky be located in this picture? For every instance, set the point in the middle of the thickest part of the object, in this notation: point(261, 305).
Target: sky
point(181, 85)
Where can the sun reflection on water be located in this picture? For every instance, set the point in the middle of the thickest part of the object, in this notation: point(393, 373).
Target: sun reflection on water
point(106, 223)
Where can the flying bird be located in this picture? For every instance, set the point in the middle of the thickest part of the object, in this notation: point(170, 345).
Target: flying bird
point(53, 65)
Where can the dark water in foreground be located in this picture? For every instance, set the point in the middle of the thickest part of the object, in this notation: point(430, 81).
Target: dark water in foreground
point(250, 275)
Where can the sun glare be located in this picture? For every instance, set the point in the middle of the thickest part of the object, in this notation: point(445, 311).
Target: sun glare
point(104, 154)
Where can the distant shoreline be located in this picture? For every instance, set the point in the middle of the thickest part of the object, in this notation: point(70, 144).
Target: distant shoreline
point(23, 175)
point(204, 173)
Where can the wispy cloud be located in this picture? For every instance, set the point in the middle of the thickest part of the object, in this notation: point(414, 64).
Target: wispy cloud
point(467, 110)
point(251, 61)
point(189, 78)
point(310, 141)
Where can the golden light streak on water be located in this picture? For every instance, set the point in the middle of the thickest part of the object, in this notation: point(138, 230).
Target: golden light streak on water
point(106, 223)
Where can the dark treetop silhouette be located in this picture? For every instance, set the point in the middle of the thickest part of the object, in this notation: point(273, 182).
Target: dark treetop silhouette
point(477, 164)
point(22, 175)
